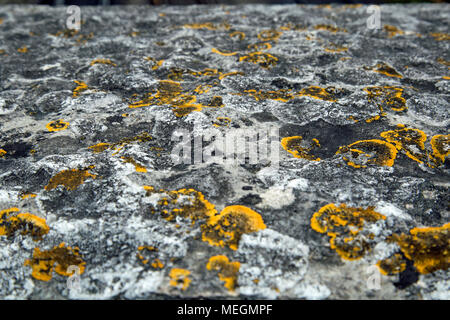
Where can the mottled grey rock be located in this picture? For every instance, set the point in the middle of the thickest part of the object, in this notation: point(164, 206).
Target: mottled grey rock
point(125, 80)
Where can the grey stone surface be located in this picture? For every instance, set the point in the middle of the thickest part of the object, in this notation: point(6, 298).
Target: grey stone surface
point(110, 216)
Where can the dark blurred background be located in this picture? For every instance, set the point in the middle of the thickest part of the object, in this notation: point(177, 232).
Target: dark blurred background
point(182, 2)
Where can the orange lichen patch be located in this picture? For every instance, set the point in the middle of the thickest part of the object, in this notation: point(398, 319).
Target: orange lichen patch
point(216, 102)
point(222, 122)
point(283, 95)
point(329, 28)
point(103, 61)
point(99, 147)
point(440, 36)
point(28, 195)
point(387, 96)
point(263, 59)
point(428, 248)
point(67, 33)
point(239, 34)
point(57, 125)
point(363, 152)
point(345, 227)
point(2, 153)
point(227, 54)
point(70, 179)
point(156, 63)
point(441, 148)
point(186, 203)
point(269, 35)
point(137, 166)
point(58, 259)
point(295, 146)
point(184, 110)
point(209, 26)
point(179, 278)
point(326, 94)
point(385, 69)
point(1, 20)
point(446, 77)
point(392, 265)
point(228, 74)
point(171, 93)
point(443, 61)
point(227, 228)
point(81, 87)
point(411, 141)
point(155, 263)
point(334, 48)
point(22, 50)
point(392, 31)
point(259, 46)
point(12, 222)
point(203, 88)
point(228, 271)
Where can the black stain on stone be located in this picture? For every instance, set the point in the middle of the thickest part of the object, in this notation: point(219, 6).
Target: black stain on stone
point(408, 277)
point(17, 149)
point(250, 199)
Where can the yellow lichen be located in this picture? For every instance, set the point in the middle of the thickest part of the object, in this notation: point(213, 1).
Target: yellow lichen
point(99, 147)
point(411, 141)
point(259, 46)
point(363, 152)
point(70, 179)
point(156, 63)
point(179, 278)
point(80, 88)
point(326, 94)
point(222, 122)
point(329, 28)
point(282, 95)
point(28, 195)
point(295, 146)
point(441, 148)
point(269, 35)
point(239, 34)
point(392, 31)
point(387, 96)
point(23, 50)
point(227, 228)
point(392, 265)
point(186, 203)
point(156, 263)
point(2, 153)
point(137, 166)
point(57, 125)
point(334, 48)
point(345, 227)
point(103, 61)
point(263, 59)
point(386, 69)
point(58, 259)
point(12, 222)
point(228, 271)
point(428, 248)
point(440, 36)
point(227, 54)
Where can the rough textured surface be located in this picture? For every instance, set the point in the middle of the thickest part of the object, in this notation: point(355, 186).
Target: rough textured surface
point(94, 199)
